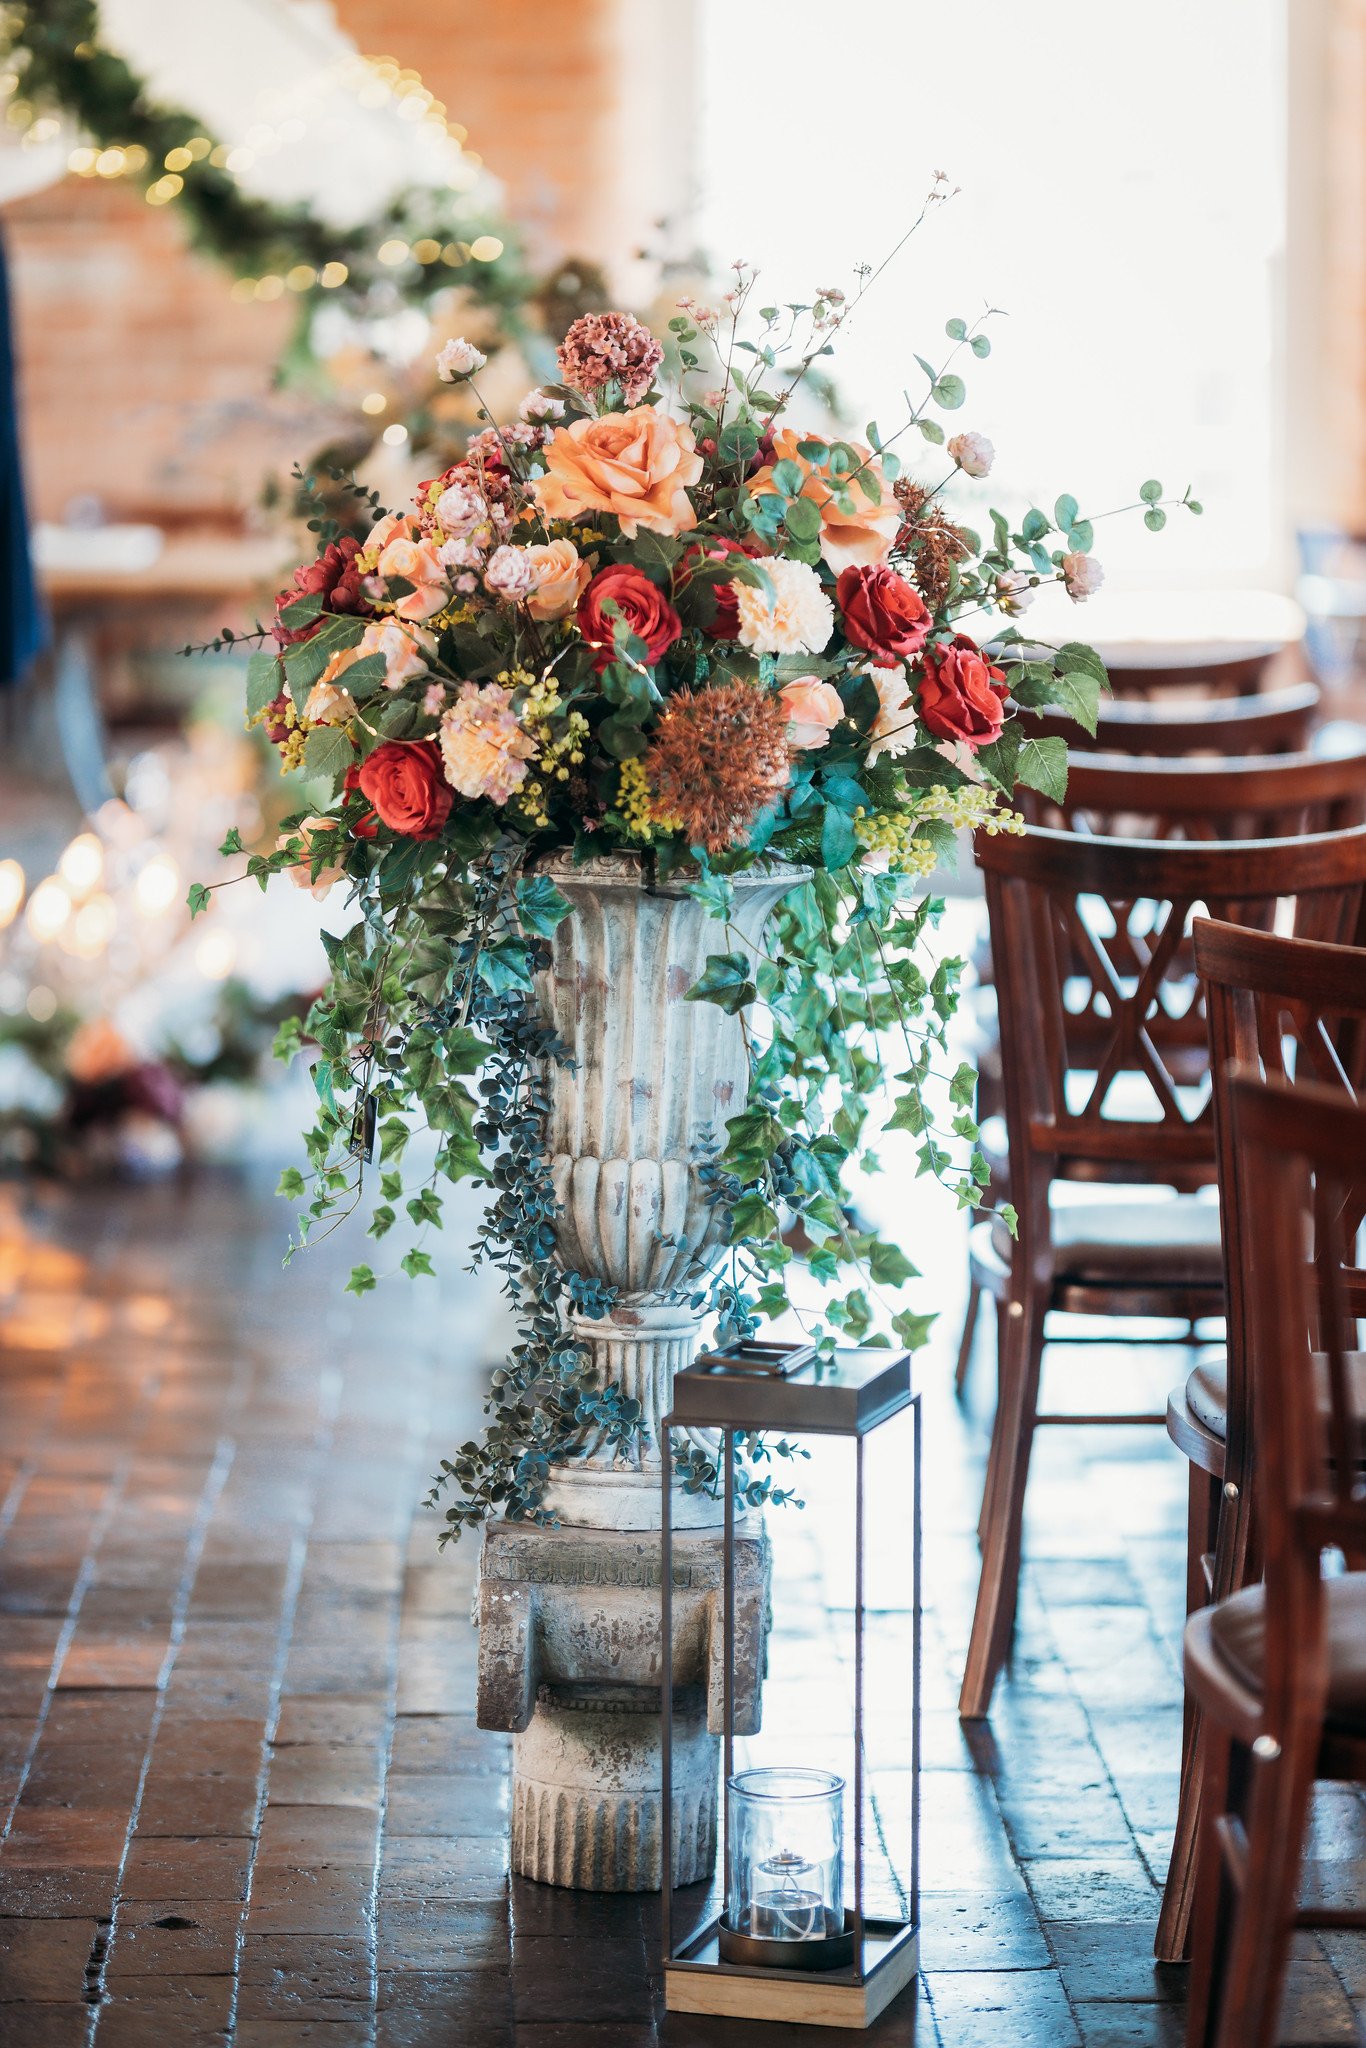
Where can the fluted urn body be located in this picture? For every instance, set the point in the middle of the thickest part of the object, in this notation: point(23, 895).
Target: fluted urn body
point(653, 1081)
point(569, 1653)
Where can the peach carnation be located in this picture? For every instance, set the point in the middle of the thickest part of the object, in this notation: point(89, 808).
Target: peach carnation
point(636, 465)
point(562, 576)
point(483, 747)
point(864, 533)
point(797, 618)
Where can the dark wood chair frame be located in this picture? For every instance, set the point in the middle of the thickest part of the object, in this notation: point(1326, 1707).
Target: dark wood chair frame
point(1272, 797)
point(1276, 722)
point(1242, 675)
point(1037, 887)
point(1293, 1010)
point(1304, 1152)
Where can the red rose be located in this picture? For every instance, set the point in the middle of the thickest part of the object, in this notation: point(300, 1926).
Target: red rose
point(882, 613)
point(962, 696)
point(641, 607)
point(725, 619)
point(407, 788)
point(334, 578)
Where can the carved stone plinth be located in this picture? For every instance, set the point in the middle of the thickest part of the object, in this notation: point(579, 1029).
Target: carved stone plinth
point(569, 1663)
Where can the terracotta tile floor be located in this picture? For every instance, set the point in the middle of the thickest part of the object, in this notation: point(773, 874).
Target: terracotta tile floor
point(242, 1793)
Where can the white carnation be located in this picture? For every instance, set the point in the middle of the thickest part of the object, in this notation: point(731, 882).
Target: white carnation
point(797, 619)
point(538, 406)
point(893, 730)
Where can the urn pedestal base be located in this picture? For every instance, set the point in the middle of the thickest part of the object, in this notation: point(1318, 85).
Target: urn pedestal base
point(569, 1663)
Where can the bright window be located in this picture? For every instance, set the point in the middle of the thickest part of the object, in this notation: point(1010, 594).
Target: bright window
point(1122, 175)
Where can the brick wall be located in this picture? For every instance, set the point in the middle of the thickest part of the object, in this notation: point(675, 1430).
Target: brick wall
point(144, 383)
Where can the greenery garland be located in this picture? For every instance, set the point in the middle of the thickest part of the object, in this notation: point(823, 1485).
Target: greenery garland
point(62, 65)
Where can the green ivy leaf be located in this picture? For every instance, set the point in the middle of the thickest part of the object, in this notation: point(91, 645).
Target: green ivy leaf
point(417, 1264)
point(291, 1184)
point(198, 899)
point(889, 1266)
point(912, 1329)
point(541, 909)
point(725, 981)
point(362, 1281)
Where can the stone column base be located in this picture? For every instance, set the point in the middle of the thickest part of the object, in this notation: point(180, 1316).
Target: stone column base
point(569, 1663)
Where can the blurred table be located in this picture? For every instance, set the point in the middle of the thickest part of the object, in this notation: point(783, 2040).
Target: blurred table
point(135, 587)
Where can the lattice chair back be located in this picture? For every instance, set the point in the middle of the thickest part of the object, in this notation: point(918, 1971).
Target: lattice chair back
point(1103, 1034)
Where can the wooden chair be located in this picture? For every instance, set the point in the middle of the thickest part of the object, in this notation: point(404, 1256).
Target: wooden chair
point(1216, 675)
point(1275, 722)
point(1278, 1670)
point(1087, 935)
point(1295, 1010)
point(1269, 797)
point(1273, 796)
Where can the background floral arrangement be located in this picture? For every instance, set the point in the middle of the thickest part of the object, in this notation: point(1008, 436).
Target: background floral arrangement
point(683, 627)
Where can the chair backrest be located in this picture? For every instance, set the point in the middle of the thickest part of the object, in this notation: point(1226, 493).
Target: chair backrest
point(1275, 722)
point(1239, 675)
point(1304, 1151)
point(1278, 796)
point(1089, 942)
point(1284, 1009)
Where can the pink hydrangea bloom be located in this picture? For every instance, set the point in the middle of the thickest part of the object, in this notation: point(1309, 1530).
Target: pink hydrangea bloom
point(603, 346)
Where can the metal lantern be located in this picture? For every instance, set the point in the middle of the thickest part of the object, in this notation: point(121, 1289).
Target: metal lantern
point(792, 1940)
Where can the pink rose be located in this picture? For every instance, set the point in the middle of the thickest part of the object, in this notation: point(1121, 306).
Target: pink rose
point(1082, 576)
point(814, 709)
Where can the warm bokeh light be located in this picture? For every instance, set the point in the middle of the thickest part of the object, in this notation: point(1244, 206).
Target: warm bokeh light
point(82, 864)
point(49, 907)
point(92, 927)
point(157, 886)
point(216, 955)
point(41, 1004)
point(12, 887)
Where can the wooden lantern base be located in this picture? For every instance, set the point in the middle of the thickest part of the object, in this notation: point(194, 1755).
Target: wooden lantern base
point(697, 1980)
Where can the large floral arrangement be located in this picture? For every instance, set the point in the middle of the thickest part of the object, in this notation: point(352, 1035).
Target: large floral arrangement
point(678, 624)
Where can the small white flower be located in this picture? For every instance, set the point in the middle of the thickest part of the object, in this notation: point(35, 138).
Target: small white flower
point(459, 359)
point(434, 699)
point(1082, 575)
point(510, 574)
point(799, 617)
point(539, 406)
point(1014, 592)
point(893, 730)
point(973, 453)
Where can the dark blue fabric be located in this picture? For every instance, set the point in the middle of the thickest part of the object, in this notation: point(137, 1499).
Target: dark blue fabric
point(23, 620)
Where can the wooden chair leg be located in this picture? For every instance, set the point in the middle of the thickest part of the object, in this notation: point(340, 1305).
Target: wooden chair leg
point(1213, 1900)
point(1004, 1317)
point(1249, 1991)
point(1173, 1926)
point(1012, 1441)
point(960, 1373)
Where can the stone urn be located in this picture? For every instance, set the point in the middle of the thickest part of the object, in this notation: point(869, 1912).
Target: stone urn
point(569, 1617)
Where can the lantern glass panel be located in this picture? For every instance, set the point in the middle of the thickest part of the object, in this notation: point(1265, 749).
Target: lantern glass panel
point(785, 1877)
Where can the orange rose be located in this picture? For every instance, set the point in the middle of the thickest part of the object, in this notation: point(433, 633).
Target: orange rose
point(863, 535)
point(637, 465)
point(562, 576)
point(814, 710)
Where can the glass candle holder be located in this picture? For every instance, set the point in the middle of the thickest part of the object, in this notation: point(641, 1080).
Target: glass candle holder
point(784, 1876)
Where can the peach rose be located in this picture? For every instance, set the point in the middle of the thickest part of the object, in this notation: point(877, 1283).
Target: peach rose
point(301, 874)
point(407, 650)
point(562, 576)
point(416, 562)
point(814, 710)
point(401, 524)
point(637, 465)
point(328, 703)
point(863, 535)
